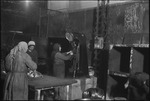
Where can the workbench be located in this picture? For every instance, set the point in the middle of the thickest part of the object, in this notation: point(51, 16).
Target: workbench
point(48, 82)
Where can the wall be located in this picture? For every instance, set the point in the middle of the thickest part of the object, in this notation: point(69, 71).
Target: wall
point(57, 22)
point(17, 16)
point(128, 23)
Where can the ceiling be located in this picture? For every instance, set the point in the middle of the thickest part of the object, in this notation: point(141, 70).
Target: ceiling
point(74, 5)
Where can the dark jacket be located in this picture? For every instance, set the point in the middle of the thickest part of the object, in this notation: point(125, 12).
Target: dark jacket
point(34, 55)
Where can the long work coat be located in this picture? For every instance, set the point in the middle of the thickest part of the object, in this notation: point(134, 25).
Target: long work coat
point(16, 84)
point(59, 65)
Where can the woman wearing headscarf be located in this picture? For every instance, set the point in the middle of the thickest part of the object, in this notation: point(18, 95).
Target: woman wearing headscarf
point(58, 60)
point(32, 52)
point(16, 83)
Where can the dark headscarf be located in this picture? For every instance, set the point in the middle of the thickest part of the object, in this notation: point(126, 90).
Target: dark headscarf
point(55, 50)
point(56, 47)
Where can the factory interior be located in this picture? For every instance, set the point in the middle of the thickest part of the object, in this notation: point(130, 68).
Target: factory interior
point(83, 50)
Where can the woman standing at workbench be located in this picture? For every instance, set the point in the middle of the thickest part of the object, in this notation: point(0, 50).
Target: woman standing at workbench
point(58, 60)
point(16, 83)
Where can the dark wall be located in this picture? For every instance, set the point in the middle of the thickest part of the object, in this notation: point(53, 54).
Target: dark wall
point(41, 46)
point(128, 24)
point(128, 21)
point(17, 16)
point(9, 40)
point(79, 21)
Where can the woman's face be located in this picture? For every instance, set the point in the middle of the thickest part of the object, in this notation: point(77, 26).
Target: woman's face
point(31, 48)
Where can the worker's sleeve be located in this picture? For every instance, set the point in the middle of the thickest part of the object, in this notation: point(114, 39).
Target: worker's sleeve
point(36, 57)
point(30, 63)
point(62, 56)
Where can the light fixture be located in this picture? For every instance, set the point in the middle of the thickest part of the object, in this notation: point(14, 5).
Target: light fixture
point(27, 2)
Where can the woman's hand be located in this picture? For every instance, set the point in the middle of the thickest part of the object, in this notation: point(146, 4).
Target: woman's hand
point(70, 53)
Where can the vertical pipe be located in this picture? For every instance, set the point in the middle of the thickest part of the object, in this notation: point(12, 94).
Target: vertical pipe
point(97, 22)
point(47, 23)
point(85, 20)
point(39, 21)
point(97, 26)
point(67, 92)
point(38, 94)
point(130, 69)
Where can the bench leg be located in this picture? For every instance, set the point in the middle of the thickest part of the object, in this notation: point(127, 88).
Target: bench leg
point(38, 95)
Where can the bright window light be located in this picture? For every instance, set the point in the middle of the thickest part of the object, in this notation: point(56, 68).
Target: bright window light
point(27, 2)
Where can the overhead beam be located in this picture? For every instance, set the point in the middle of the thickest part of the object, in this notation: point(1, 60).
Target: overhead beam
point(70, 5)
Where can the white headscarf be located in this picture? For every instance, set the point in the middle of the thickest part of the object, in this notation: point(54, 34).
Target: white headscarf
point(22, 46)
point(31, 43)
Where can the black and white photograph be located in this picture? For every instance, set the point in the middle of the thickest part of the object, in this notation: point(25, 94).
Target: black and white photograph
point(74, 50)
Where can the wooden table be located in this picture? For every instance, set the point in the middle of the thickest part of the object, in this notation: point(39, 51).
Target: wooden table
point(48, 82)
